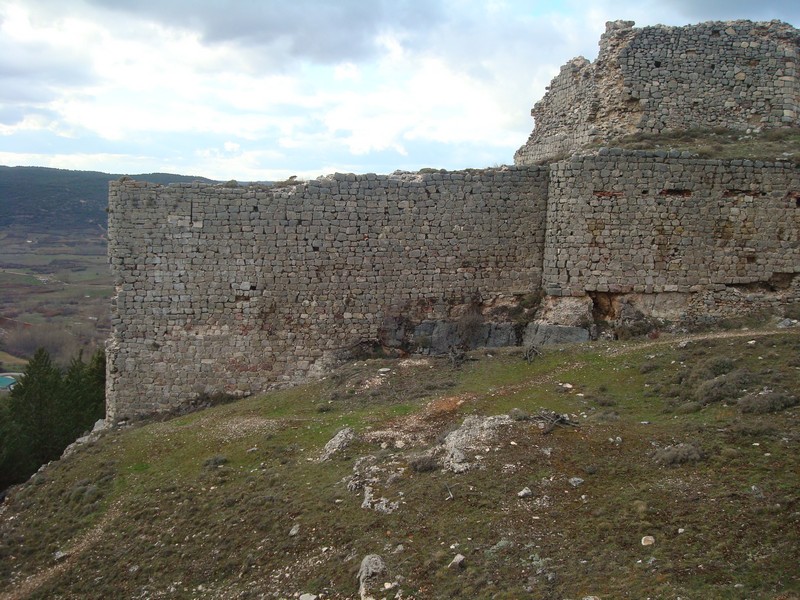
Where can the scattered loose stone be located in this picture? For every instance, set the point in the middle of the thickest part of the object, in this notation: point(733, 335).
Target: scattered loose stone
point(458, 561)
point(648, 540)
point(501, 545)
point(381, 505)
point(372, 565)
point(337, 443)
point(294, 530)
point(575, 481)
point(473, 434)
point(525, 492)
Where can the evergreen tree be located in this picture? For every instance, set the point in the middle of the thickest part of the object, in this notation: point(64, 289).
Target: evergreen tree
point(82, 402)
point(34, 407)
point(46, 411)
point(15, 464)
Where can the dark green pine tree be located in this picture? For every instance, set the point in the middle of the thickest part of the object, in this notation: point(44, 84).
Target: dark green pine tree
point(15, 465)
point(83, 400)
point(34, 404)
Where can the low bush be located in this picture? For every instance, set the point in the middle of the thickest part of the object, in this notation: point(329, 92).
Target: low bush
point(424, 463)
point(215, 462)
point(648, 367)
point(517, 414)
point(678, 455)
point(604, 401)
point(724, 388)
point(767, 401)
point(688, 408)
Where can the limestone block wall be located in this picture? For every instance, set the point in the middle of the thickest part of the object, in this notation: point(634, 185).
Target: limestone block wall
point(653, 222)
point(236, 288)
point(732, 75)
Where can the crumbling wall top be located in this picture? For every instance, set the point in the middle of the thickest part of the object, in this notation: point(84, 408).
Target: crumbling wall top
point(734, 75)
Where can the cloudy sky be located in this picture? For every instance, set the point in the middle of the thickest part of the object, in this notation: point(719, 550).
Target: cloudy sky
point(264, 89)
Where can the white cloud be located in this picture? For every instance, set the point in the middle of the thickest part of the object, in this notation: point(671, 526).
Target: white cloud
point(254, 90)
point(347, 71)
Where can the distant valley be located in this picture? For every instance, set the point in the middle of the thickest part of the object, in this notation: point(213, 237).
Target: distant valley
point(54, 274)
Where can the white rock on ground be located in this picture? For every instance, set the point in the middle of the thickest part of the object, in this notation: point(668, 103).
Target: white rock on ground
point(372, 565)
point(337, 443)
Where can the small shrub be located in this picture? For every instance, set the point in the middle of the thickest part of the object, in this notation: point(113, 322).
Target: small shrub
point(470, 328)
point(705, 370)
point(605, 401)
point(605, 416)
point(215, 462)
point(678, 455)
point(745, 431)
point(517, 414)
point(720, 366)
point(688, 407)
point(724, 388)
point(767, 401)
point(424, 463)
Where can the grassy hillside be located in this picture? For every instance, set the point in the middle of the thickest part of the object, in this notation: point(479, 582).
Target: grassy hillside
point(689, 443)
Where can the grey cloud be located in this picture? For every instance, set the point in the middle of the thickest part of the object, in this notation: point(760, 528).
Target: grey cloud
point(317, 30)
point(33, 72)
point(682, 12)
point(735, 9)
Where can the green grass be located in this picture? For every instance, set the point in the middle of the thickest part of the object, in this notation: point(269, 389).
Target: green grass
point(209, 498)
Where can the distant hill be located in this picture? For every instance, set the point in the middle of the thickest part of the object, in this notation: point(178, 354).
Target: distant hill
point(44, 199)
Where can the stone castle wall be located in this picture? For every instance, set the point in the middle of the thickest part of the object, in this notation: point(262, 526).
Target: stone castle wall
point(236, 288)
point(686, 240)
point(646, 222)
point(734, 75)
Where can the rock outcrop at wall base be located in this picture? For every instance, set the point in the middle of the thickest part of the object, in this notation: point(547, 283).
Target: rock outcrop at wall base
point(545, 334)
point(733, 75)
